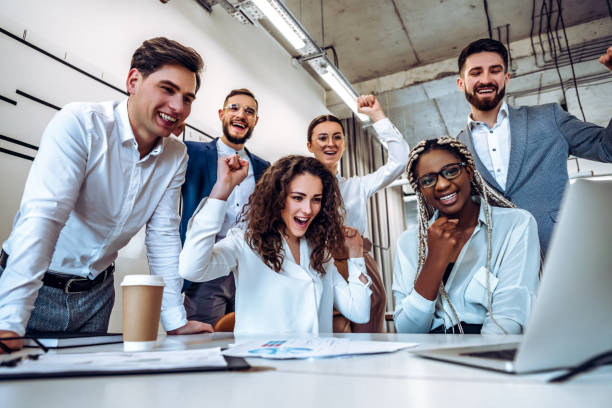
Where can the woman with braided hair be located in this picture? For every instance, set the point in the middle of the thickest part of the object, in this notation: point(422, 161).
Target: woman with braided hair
point(471, 263)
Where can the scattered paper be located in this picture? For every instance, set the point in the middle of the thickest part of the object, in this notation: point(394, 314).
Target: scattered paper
point(119, 361)
point(284, 348)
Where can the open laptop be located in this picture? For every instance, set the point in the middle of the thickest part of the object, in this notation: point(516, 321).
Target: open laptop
point(571, 319)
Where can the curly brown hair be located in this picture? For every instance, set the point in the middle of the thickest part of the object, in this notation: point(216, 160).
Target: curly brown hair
point(262, 214)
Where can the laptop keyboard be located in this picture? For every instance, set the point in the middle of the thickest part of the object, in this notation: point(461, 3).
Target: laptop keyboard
point(506, 355)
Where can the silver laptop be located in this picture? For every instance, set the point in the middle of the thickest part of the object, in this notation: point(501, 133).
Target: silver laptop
point(571, 319)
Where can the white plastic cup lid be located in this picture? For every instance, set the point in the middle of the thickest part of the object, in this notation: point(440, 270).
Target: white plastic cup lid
point(142, 280)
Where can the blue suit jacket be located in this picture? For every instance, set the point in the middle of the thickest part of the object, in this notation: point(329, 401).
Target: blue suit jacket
point(542, 137)
point(201, 176)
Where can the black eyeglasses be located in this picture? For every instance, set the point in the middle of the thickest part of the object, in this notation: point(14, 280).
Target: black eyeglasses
point(449, 172)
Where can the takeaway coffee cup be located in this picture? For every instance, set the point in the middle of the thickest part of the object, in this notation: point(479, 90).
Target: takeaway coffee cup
point(142, 298)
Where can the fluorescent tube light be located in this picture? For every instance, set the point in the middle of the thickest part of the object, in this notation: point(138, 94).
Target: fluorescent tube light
point(345, 93)
point(279, 19)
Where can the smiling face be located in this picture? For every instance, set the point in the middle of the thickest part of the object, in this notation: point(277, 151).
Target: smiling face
point(327, 144)
point(302, 204)
point(238, 117)
point(160, 102)
point(449, 197)
point(483, 80)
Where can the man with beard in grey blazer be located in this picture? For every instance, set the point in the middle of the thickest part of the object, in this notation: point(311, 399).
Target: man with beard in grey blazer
point(523, 151)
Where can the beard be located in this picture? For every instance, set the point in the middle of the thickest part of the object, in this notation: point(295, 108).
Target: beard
point(236, 140)
point(485, 105)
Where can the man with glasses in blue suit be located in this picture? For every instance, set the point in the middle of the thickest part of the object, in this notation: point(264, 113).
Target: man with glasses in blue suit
point(208, 301)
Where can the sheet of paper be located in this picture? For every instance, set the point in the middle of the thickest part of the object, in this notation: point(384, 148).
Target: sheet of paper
point(119, 361)
point(286, 348)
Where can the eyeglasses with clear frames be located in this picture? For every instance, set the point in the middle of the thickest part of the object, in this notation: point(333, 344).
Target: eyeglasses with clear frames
point(248, 111)
point(449, 172)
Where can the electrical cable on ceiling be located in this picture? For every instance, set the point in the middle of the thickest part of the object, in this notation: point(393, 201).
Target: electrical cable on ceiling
point(540, 32)
point(552, 44)
point(329, 47)
point(486, 10)
point(569, 54)
point(322, 27)
point(508, 47)
point(535, 54)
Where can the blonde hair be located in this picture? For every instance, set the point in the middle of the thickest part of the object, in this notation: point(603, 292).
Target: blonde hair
point(425, 211)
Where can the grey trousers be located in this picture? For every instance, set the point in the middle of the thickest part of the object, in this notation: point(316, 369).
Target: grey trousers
point(208, 301)
point(84, 312)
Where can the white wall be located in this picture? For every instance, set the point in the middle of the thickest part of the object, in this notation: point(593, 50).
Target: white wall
point(100, 36)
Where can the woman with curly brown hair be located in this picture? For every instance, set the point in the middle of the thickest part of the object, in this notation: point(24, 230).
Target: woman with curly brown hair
point(285, 280)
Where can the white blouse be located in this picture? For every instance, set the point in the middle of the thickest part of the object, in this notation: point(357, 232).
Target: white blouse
point(515, 263)
point(357, 190)
point(296, 299)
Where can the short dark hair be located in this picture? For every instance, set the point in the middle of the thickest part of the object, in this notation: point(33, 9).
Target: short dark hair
point(321, 119)
point(240, 91)
point(159, 51)
point(483, 45)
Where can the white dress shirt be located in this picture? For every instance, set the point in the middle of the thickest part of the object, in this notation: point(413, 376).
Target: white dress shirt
point(241, 193)
point(357, 190)
point(88, 192)
point(493, 144)
point(297, 299)
point(515, 263)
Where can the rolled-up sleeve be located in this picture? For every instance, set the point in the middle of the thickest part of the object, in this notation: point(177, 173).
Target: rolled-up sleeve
point(352, 298)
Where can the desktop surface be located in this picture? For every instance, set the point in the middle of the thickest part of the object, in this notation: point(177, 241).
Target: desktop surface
point(353, 381)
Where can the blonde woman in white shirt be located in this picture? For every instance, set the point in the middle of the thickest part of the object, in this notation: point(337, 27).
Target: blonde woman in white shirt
point(471, 263)
point(285, 279)
point(326, 140)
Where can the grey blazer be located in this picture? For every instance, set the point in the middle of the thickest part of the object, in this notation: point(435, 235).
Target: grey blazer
point(542, 137)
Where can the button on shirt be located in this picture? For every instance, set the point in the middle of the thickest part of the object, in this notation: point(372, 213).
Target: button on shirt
point(89, 191)
point(357, 190)
point(493, 144)
point(241, 193)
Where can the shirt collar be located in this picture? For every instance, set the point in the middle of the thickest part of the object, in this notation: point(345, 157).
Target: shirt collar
point(501, 115)
point(225, 150)
point(127, 134)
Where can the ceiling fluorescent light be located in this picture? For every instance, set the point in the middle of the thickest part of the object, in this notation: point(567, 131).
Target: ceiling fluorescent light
point(276, 15)
point(343, 89)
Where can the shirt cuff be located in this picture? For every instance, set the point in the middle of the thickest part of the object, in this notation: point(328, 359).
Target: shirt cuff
point(358, 270)
point(173, 318)
point(10, 319)
point(415, 301)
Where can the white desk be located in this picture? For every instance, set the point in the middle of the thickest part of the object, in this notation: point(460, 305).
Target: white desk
point(377, 381)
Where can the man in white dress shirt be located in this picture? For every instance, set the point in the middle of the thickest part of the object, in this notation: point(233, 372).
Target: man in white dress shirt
point(208, 301)
point(103, 170)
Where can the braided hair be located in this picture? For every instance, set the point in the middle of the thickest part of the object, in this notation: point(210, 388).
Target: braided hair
point(488, 195)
